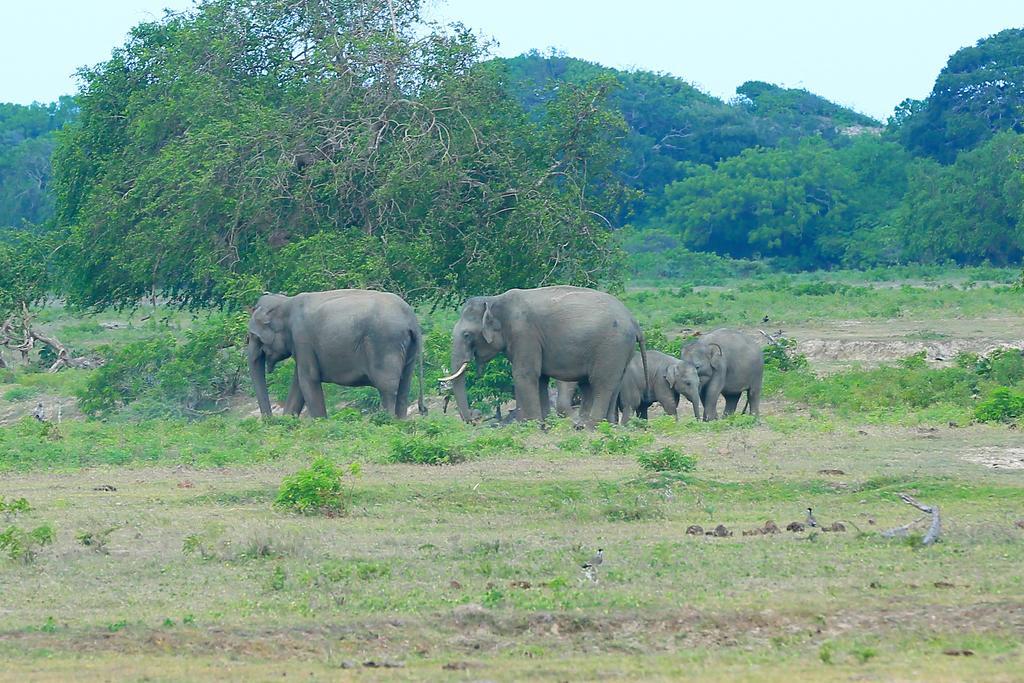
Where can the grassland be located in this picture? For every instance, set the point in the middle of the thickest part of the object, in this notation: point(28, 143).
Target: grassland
point(170, 561)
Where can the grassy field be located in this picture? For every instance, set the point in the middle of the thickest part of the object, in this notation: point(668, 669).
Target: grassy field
point(170, 561)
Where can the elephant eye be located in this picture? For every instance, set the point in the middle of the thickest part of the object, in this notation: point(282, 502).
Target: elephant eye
point(466, 334)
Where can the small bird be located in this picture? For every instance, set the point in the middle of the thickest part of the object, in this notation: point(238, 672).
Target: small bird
point(595, 561)
point(765, 319)
point(811, 521)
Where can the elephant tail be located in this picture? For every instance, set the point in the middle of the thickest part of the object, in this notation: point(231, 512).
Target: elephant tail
point(420, 350)
point(642, 340)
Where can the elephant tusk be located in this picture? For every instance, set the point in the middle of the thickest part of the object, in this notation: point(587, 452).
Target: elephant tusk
point(457, 374)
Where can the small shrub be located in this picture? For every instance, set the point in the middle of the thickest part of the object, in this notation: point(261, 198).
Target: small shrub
point(617, 441)
point(1002, 405)
point(20, 393)
point(24, 546)
point(316, 489)
point(428, 443)
point(667, 460)
point(781, 355)
point(9, 508)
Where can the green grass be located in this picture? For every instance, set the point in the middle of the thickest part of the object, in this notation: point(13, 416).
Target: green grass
point(460, 545)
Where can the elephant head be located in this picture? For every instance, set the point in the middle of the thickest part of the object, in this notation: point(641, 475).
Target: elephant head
point(683, 378)
point(705, 357)
point(477, 338)
point(269, 343)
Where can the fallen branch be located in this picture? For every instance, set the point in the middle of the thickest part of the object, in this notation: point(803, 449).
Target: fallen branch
point(933, 531)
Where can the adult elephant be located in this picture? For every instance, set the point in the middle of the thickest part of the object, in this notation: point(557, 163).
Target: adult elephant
point(572, 334)
point(667, 379)
point(351, 337)
point(728, 363)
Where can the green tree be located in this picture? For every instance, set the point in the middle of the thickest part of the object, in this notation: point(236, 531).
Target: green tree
point(979, 93)
point(770, 202)
point(969, 211)
point(250, 145)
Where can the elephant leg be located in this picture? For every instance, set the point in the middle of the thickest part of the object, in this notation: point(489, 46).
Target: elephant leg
point(754, 401)
point(527, 383)
point(668, 399)
point(712, 392)
point(731, 401)
point(312, 391)
point(612, 415)
point(545, 399)
point(295, 402)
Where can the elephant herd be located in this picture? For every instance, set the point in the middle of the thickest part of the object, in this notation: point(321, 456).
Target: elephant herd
point(584, 339)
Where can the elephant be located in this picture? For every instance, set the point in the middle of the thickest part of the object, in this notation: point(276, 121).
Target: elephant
point(728, 363)
point(572, 334)
point(351, 337)
point(667, 379)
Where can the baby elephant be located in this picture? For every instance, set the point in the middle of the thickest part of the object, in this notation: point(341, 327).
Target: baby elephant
point(728, 363)
point(667, 379)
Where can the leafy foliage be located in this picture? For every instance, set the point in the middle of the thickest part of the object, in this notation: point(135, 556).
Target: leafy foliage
point(1003, 404)
point(428, 443)
point(24, 546)
point(27, 139)
point(325, 144)
point(164, 376)
point(979, 93)
point(317, 489)
point(667, 460)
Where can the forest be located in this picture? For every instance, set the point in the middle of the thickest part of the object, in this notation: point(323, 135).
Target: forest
point(428, 163)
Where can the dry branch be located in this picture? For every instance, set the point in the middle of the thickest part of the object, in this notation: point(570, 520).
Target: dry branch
point(933, 531)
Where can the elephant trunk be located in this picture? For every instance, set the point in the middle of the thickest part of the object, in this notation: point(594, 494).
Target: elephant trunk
point(258, 372)
point(461, 357)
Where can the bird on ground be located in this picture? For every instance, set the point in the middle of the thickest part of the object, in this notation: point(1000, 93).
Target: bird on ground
point(765, 319)
point(595, 561)
point(811, 521)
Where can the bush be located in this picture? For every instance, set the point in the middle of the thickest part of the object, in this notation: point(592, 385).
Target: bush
point(781, 355)
point(316, 489)
point(167, 377)
point(667, 460)
point(23, 546)
point(1002, 405)
point(429, 443)
point(20, 393)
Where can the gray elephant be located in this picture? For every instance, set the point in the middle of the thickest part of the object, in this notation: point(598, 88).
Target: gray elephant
point(667, 379)
point(351, 337)
point(572, 334)
point(728, 363)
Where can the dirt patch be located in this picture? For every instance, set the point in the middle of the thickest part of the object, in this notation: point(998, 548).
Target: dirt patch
point(55, 408)
point(869, 350)
point(996, 457)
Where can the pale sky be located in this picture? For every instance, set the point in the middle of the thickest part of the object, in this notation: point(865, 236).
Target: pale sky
point(868, 54)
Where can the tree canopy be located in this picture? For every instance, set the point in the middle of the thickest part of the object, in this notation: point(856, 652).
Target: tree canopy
point(249, 145)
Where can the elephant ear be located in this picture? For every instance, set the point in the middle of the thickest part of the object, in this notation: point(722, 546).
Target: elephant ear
point(716, 355)
point(670, 375)
point(491, 325)
point(264, 325)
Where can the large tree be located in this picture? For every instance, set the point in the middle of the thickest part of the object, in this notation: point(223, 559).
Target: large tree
point(979, 93)
point(255, 144)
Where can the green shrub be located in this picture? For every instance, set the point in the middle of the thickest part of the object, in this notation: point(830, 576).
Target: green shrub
point(781, 354)
point(428, 443)
point(667, 460)
point(317, 489)
point(167, 377)
point(20, 393)
point(617, 441)
point(9, 508)
point(24, 546)
point(1002, 405)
